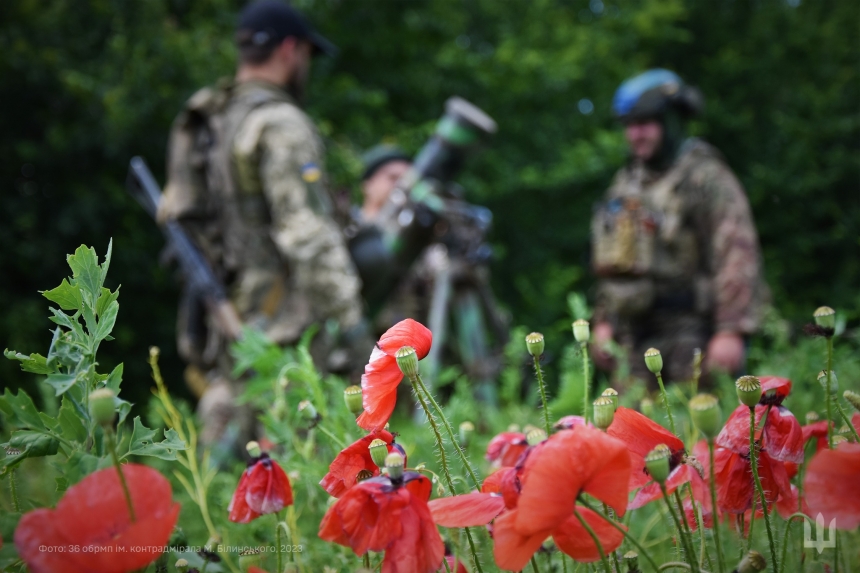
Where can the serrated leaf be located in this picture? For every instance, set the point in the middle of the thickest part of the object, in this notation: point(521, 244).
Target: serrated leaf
point(35, 363)
point(81, 464)
point(115, 379)
point(85, 268)
point(71, 426)
point(52, 424)
point(123, 408)
point(61, 318)
point(65, 295)
point(105, 298)
point(20, 409)
point(29, 444)
point(61, 382)
point(106, 265)
point(143, 442)
point(106, 321)
point(64, 351)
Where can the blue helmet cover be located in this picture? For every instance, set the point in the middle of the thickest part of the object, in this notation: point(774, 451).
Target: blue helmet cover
point(631, 90)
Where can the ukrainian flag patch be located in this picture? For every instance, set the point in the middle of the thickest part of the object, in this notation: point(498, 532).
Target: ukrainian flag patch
point(311, 172)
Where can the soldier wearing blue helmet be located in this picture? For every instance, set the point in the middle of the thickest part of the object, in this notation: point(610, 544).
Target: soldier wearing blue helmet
point(673, 243)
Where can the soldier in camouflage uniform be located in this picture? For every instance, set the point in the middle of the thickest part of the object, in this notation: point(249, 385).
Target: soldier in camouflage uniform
point(245, 178)
point(674, 244)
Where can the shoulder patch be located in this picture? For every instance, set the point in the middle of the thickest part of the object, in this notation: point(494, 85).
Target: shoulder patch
point(311, 172)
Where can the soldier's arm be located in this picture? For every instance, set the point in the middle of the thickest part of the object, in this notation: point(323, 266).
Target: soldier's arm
point(302, 228)
point(735, 259)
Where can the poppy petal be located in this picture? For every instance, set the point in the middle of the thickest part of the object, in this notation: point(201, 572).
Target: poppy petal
point(469, 510)
point(511, 549)
point(407, 333)
point(651, 492)
point(641, 435)
point(734, 481)
point(420, 548)
point(351, 460)
point(572, 538)
point(493, 483)
point(735, 434)
point(506, 448)
point(379, 391)
point(783, 436)
point(268, 489)
point(831, 485)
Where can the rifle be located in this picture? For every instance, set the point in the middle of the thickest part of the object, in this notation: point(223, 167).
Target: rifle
point(201, 280)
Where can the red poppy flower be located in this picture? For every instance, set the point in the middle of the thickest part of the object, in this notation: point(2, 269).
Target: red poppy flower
point(94, 513)
point(641, 435)
point(506, 448)
point(735, 481)
point(831, 485)
point(352, 459)
point(472, 509)
point(382, 375)
point(263, 488)
point(380, 514)
point(701, 492)
point(780, 435)
point(555, 473)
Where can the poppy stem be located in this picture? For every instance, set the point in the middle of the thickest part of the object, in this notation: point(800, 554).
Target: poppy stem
point(685, 542)
point(534, 565)
point(417, 386)
point(788, 521)
point(595, 539)
point(626, 533)
point(760, 490)
point(827, 392)
point(714, 510)
point(13, 489)
point(278, 541)
point(609, 517)
point(845, 419)
point(542, 388)
point(686, 523)
point(666, 402)
point(586, 382)
point(111, 446)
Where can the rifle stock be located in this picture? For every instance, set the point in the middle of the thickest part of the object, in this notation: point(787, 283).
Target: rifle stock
point(195, 268)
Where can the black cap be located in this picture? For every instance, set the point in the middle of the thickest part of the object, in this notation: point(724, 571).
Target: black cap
point(378, 156)
point(271, 21)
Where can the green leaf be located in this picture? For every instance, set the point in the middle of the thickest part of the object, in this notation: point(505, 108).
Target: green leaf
point(105, 299)
point(64, 350)
point(106, 321)
point(114, 379)
point(62, 484)
point(106, 265)
point(123, 408)
point(20, 409)
point(81, 464)
point(85, 268)
point(63, 319)
point(53, 424)
point(61, 382)
point(71, 426)
point(29, 444)
point(35, 363)
point(143, 442)
point(65, 295)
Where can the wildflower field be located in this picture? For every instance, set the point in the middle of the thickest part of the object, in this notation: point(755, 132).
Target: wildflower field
point(761, 473)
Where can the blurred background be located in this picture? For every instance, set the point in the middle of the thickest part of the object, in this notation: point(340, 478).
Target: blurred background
point(87, 84)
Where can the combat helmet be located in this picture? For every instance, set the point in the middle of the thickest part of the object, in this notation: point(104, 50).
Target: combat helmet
point(653, 93)
point(377, 156)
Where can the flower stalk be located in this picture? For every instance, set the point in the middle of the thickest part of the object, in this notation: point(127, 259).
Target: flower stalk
point(595, 539)
point(760, 490)
point(654, 362)
point(535, 345)
point(714, 509)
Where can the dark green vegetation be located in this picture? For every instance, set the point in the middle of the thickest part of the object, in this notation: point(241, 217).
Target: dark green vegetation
point(86, 85)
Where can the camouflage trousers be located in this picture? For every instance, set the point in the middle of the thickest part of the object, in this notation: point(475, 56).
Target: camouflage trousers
point(676, 335)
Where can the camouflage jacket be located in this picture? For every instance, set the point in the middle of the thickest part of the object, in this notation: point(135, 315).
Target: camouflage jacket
point(681, 239)
point(263, 215)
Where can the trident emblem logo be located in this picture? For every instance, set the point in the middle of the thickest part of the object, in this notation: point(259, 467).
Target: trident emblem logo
point(821, 541)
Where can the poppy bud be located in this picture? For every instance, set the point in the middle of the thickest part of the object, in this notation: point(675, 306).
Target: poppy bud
point(646, 406)
point(631, 558)
point(834, 384)
point(657, 462)
point(581, 330)
point(407, 361)
point(612, 394)
point(352, 398)
point(749, 390)
point(536, 436)
point(362, 475)
point(812, 416)
point(706, 415)
point(604, 412)
point(181, 565)
point(394, 465)
point(535, 344)
point(466, 430)
point(753, 562)
point(309, 412)
point(254, 449)
point(378, 450)
point(852, 398)
point(654, 360)
point(825, 316)
point(102, 410)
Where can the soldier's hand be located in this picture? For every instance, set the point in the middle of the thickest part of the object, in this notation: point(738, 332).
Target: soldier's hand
point(599, 352)
point(725, 352)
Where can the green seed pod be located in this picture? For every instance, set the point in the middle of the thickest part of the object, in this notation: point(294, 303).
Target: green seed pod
point(352, 397)
point(535, 436)
point(839, 439)
point(834, 383)
point(535, 344)
point(631, 559)
point(378, 452)
point(466, 430)
point(612, 394)
point(657, 462)
point(706, 414)
point(102, 409)
point(362, 475)
point(394, 465)
point(604, 412)
point(581, 330)
point(852, 398)
point(812, 416)
point(753, 562)
point(825, 316)
point(181, 565)
point(407, 361)
point(253, 448)
point(654, 360)
point(308, 411)
point(646, 406)
point(749, 390)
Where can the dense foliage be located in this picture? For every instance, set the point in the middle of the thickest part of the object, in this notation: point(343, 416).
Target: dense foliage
point(86, 85)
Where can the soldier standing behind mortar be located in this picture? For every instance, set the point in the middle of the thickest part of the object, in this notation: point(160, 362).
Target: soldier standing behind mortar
point(673, 244)
point(245, 179)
